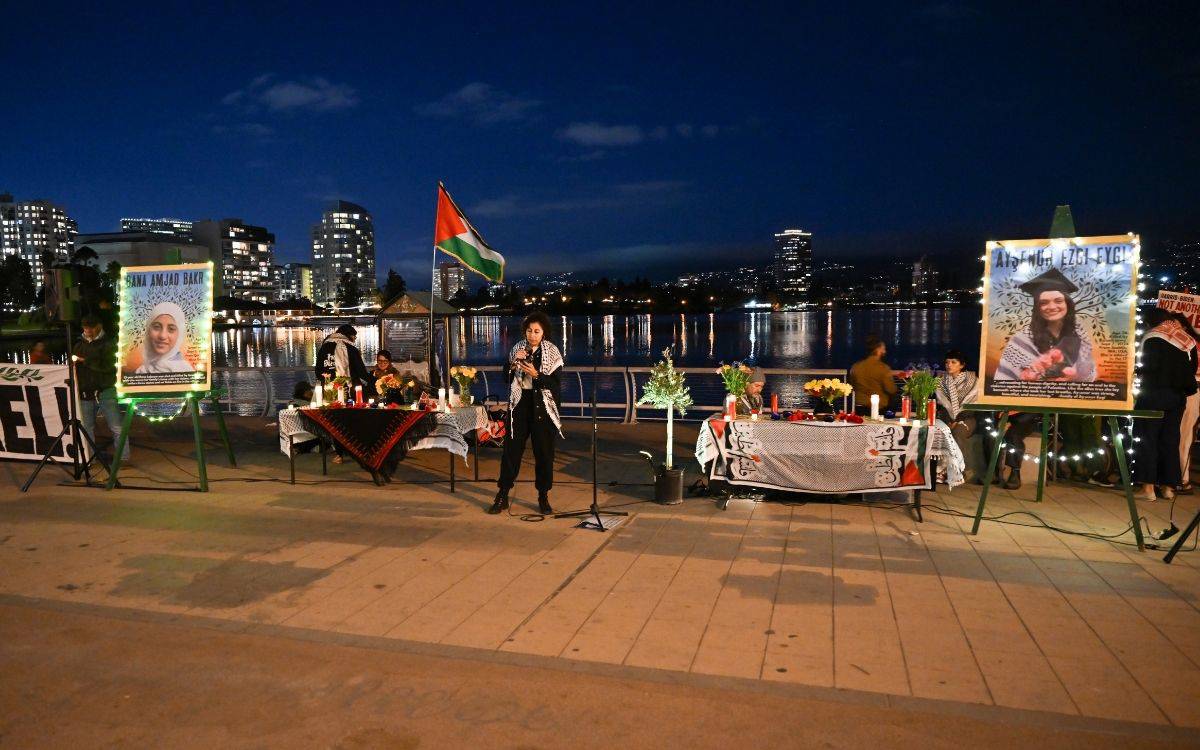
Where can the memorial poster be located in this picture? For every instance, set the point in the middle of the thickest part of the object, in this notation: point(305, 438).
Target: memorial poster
point(1059, 322)
point(165, 329)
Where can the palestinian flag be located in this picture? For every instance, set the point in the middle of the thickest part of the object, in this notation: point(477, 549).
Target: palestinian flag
point(456, 236)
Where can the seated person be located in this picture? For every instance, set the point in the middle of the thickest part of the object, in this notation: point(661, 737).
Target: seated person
point(751, 402)
point(872, 376)
point(955, 389)
point(302, 396)
point(383, 365)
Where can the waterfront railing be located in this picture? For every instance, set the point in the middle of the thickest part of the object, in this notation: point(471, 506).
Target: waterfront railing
point(261, 391)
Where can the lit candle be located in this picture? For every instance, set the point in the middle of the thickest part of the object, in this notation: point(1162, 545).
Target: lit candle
point(774, 403)
point(905, 407)
point(730, 407)
point(916, 423)
point(930, 411)
point(318, 396)
point(753, 416)
point(442, 399)
point(339, 394)
point(874, 406)
point(358, 398)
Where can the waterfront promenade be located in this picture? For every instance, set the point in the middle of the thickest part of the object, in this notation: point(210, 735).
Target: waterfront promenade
point(334, 613)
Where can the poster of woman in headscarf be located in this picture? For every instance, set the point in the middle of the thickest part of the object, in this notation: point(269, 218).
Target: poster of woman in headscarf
point(1059, 322)
point(166, 319)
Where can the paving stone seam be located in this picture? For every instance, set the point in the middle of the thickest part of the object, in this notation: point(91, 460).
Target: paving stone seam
point(1003, 714)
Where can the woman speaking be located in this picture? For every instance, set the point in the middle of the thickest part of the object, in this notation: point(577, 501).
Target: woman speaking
point(534, 368)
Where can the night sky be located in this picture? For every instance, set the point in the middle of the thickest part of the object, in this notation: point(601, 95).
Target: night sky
point(647, 138)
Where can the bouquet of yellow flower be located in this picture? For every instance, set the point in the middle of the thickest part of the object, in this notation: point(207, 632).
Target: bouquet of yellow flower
point(736, 376)
point(828, 389)
point(464, 376)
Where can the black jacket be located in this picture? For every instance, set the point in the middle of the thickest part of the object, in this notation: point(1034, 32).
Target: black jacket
point(97, 369)
point(1168, 376)
point(326, 364)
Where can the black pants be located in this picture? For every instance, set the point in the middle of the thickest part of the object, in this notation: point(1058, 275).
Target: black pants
point(1020, 426)
point(529, 420)
point(1156, 454)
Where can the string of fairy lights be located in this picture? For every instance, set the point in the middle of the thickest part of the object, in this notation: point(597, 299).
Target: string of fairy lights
point(1096, 451)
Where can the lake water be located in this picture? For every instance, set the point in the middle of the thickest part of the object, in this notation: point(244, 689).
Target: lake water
point(812, 339)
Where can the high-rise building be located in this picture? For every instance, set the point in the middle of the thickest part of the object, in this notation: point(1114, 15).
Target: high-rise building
point(32, 229)
point(343, 243)
point(243, 255)
point(172, 227)
point(295, 281)
point(449, 279)
point(924, 279)
point(793, 262)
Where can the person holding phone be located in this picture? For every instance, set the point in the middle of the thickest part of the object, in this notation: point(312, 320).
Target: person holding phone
point(534, 368)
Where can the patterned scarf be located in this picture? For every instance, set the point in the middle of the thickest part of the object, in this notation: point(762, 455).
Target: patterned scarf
point(1174, 334)
point(953, 391)
point(551, 361)
point(1020, 357)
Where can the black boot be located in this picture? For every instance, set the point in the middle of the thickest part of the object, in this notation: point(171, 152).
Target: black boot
point(544, 504)
point(501, 502)
point(1014, 480)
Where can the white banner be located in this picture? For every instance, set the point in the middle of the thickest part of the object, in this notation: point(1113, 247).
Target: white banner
point(34, 406)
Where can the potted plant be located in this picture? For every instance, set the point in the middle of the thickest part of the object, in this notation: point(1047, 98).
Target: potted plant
point(920, 387)
point(464, 376)
point(665, 389)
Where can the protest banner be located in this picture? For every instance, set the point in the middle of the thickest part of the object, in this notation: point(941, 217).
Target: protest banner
point(1059, 322)
point(34, 406)
point(1188, 304)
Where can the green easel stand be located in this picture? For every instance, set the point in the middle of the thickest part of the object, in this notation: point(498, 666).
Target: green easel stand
point(192, 399)
point(1118, 447)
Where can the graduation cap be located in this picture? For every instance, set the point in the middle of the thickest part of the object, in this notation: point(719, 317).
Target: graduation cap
point(1052, 280)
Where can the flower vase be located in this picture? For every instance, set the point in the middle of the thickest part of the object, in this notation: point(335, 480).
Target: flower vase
point(395, 396)
point(466, 399)
point(821, 406)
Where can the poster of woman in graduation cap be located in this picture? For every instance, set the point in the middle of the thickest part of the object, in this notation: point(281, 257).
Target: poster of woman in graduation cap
point(1059, 322)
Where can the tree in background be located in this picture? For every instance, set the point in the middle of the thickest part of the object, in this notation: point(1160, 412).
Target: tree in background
point(347, 293)
point(394, 286)
point(17, 289)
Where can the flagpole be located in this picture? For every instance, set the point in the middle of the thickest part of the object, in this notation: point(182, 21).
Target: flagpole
point(433, 285)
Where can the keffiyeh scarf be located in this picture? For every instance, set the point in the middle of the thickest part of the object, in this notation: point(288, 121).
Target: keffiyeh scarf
point(551, 361)
point(955, 391)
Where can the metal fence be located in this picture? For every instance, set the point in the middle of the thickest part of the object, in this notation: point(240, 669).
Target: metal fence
point(261, 391)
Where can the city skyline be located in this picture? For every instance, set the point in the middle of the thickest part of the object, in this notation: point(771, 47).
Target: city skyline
point(924, 129)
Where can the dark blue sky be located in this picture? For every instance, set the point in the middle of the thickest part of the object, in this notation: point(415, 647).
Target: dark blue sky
point(647, 137)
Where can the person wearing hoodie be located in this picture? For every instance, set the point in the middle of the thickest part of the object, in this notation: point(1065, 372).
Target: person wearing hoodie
point(338, 357)
point(95, 359)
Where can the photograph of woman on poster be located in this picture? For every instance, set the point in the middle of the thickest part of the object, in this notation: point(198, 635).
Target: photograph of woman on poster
point(1053, 346)
point(165, 333)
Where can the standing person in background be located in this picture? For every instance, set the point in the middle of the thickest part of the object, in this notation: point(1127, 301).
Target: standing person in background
point(38, 355)
point(1168, 377)
point(338, 357)
point(872, 376)
point(1191, 414)
point(96, 370)
point(533, 372)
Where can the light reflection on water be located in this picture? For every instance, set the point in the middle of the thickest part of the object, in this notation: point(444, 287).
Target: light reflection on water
point(812, 339)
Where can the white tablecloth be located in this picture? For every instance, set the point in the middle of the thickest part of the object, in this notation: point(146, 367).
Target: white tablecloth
point(825, 457)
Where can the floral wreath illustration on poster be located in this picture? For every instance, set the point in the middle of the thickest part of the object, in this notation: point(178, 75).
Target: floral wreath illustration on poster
point(165, 327)
point(1058, 322)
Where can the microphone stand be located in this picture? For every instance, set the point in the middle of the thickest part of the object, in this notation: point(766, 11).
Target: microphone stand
point(594, 510)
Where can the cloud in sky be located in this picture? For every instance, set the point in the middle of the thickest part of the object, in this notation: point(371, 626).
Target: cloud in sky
point(617, 196)
point(482, 104)
point(308, 95)
point(599, 135)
